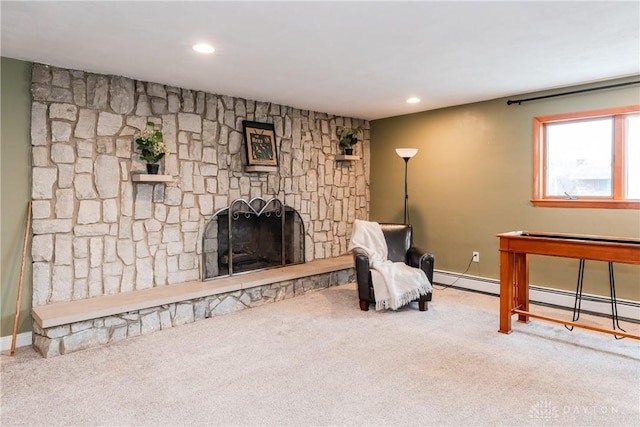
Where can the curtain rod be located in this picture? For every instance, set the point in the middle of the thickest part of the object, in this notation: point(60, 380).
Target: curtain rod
point(520, 101)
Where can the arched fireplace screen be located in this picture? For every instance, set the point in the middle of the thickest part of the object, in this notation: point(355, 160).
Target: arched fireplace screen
point(253, 235)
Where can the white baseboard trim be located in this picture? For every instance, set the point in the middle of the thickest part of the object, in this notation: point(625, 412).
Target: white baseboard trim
point(22, 340)
point(590, 303)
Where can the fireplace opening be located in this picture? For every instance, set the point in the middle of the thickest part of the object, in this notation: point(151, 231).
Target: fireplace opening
point(253, 235)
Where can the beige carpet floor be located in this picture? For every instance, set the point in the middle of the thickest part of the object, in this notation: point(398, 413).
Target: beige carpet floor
point(319, 360)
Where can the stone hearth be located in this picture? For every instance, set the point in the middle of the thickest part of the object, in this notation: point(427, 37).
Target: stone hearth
point(67, 327)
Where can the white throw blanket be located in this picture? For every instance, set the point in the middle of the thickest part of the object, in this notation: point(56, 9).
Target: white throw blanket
point(394, 283)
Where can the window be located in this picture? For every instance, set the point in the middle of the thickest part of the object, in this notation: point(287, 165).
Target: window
point(589, 159)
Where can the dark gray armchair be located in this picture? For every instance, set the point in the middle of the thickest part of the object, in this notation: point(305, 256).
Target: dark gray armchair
point(400, 247)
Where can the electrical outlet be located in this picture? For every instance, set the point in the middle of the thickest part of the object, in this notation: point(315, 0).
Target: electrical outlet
point(476, 256)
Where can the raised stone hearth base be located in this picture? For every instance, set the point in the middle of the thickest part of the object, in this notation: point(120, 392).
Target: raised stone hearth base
point(76, 336)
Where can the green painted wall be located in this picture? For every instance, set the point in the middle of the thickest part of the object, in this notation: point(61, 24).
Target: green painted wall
point(472, 179)
point(15, 183)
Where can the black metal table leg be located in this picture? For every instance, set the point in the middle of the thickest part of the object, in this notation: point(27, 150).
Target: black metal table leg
point(614, 302)
point(578, 301)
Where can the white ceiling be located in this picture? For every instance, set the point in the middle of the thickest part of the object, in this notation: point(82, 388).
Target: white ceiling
point(360, 59)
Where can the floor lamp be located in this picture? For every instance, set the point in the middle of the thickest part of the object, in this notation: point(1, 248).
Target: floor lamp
point(406, 154)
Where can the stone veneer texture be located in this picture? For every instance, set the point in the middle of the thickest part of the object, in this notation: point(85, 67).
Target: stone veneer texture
point(95, 232)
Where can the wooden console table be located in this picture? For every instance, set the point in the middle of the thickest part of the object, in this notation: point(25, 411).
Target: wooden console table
point(515, 247)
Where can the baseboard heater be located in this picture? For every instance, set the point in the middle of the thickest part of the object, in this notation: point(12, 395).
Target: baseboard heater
point(628, 310)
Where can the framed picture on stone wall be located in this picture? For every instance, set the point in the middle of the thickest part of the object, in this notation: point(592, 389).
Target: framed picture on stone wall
point(260, 139)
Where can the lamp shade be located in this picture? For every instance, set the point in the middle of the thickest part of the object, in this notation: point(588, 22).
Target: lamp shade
point(406, 153)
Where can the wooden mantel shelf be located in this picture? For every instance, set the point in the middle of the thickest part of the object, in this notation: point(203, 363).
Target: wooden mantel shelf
point(149, 178)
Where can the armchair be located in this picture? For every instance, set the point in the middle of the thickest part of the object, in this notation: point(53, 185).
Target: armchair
point(399, 238)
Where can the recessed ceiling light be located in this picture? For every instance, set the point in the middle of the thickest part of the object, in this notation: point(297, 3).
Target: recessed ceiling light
point(413, 100)
point(203, 48)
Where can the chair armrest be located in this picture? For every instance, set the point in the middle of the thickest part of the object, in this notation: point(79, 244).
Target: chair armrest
point(422, 260)
point(363, 273)
point(361, 259)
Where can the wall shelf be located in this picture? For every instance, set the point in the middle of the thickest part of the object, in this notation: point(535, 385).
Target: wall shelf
point(261, 168)
point(347, 157)
point(150, 179)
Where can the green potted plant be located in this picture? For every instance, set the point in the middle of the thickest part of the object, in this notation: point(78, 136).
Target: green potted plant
point(348, 138)
point(152, 148)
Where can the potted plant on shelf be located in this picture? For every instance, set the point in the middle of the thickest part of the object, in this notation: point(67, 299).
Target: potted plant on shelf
point(348, 138)
point(152, 148)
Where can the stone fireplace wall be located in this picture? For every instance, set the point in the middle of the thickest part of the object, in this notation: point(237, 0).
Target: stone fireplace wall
point(97, 232)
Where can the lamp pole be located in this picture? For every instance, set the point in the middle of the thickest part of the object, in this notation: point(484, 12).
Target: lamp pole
point(406, 154)
point(406, 191)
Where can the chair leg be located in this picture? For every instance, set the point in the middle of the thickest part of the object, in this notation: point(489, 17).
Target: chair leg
point(423, 305)
point(364, 305)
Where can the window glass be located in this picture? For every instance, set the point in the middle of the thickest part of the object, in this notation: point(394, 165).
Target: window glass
point(579, 158)
point(632, 157)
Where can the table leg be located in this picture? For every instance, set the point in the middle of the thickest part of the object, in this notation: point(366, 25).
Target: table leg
point(522, 280)
point(506, 290)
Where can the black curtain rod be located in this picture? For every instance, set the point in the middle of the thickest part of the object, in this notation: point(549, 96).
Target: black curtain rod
point(520, 101)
